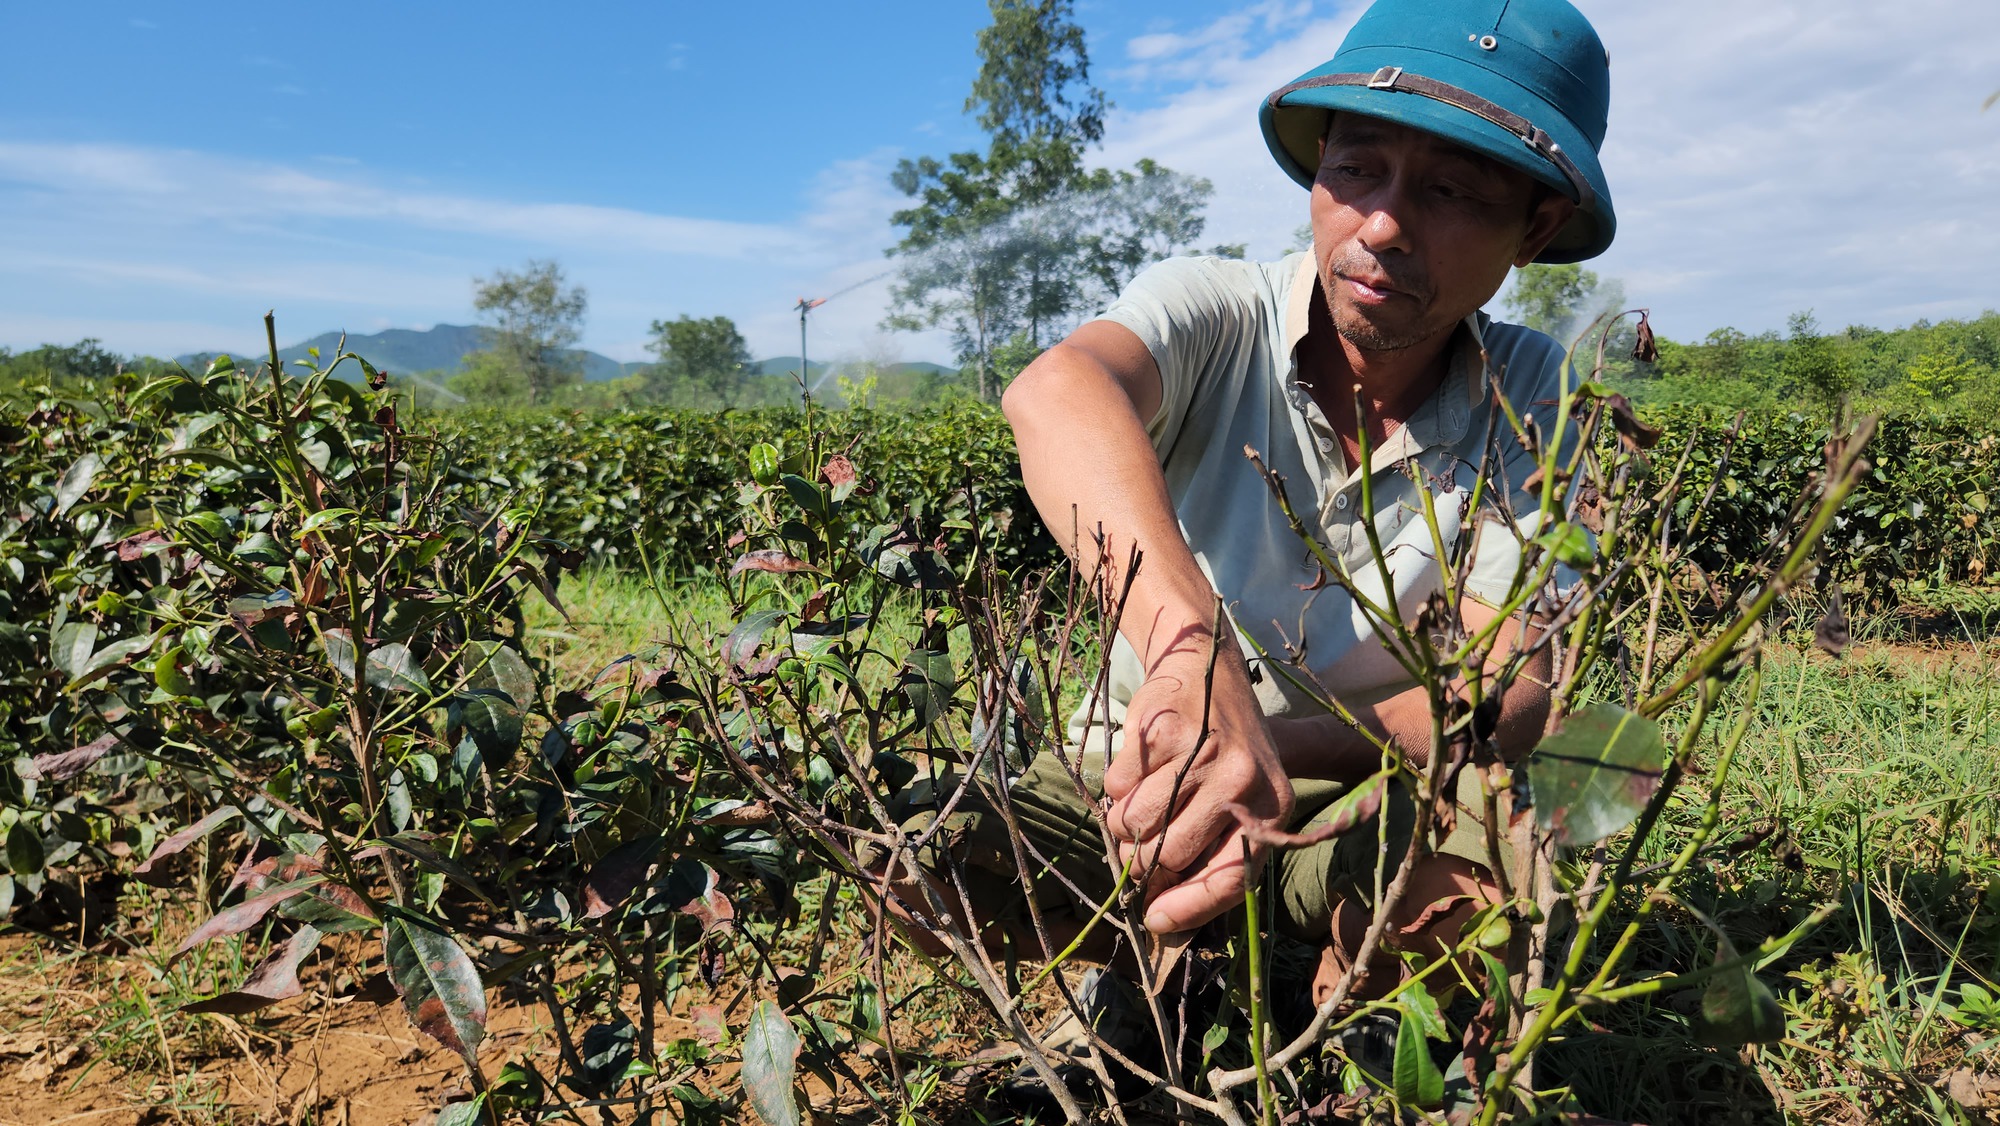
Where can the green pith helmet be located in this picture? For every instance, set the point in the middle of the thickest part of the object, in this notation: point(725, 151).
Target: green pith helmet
point(1525, 82)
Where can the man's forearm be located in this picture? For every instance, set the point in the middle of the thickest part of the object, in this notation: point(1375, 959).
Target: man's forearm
point(1090, 469)
point(1326, 746)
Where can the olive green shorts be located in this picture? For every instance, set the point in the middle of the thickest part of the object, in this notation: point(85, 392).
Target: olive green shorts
point(1059, 831)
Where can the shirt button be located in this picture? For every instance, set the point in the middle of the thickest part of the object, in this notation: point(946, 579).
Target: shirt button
point(1340, 502)
point(1326, 445)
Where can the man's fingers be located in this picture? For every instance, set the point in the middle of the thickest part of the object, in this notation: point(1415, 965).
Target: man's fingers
point(1202, 894)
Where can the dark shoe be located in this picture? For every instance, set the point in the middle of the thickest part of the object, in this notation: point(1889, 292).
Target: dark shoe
point(1369, 1043)
point(1118, 1013)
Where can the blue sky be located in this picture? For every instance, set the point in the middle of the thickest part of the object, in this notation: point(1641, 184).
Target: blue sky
point(168, 172)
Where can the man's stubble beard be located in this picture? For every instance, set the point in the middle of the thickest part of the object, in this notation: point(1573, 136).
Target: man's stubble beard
point(1354, 327)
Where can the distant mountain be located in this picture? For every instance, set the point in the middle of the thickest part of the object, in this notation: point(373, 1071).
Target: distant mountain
point(443, 348)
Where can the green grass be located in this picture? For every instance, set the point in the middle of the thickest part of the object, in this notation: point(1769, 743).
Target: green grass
point(1884, 770)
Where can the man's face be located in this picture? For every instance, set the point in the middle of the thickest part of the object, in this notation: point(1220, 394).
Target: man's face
point(1412, 233)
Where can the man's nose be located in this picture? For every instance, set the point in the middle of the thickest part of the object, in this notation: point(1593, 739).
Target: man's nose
point(1386, 224)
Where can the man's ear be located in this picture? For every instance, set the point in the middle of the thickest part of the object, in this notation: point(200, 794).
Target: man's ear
point(1544, 224)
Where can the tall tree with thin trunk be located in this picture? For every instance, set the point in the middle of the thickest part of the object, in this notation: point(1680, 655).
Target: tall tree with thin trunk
point(1007, 247)
point(537, 319)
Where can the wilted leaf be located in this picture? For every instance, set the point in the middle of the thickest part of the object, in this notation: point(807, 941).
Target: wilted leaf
point(733, 814)
point(770, 1054)
point(897, 555)
point(76, 481)
point(60, 766)
point(243, 916)
point(332, 908)
point(274, 979)
point(690, 888)
point(1644, 348)
point(437, 981)
point(839, 474)
point(146, 872)
point(250, 610)
point(108, 658)
point(740, 647)
point(1635, 434)
point(613, 879)
point(131, 549)
point(773, 561)
point(1022, 708)
point(417, 847)
point(469, 1112)
point(710, 1026)
point(1596, 775)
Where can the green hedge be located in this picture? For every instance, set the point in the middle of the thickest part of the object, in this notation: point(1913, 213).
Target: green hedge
point(607, 482)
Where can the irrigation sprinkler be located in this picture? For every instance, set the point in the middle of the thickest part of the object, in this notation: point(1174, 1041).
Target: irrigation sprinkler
point(807, 305)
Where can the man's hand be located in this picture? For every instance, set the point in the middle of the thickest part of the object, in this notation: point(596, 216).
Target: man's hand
point(1170, 788)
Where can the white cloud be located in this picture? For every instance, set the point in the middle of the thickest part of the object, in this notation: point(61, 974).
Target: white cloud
point(131, 232)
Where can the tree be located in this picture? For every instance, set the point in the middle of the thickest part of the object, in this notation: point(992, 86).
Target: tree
point(1941, 373)
point(706, 356)
point(1812, 366)
point(1145, 215)
point(1552, 299)
point(537, 319)
point(1018, 240)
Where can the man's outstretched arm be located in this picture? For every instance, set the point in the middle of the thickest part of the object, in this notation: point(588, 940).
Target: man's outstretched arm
point(1079, 414)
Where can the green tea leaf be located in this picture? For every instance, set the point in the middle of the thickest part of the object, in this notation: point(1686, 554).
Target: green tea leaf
point(490, 720)
point(394, 667)
point(1418, 1080)
point(72, 646)
point(764, 463)
point(1595, 776)
point(437, 981)
point(471, 1112)
point(76, 481)
point(927, 683)
point(1738, 1008)
point(608, 1049)
point(501, 667)
point(24, 850)
point(770, 1054)
point(108, 658)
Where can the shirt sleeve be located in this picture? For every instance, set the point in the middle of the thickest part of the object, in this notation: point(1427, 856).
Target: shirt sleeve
point(1183, 311)
point(1537, 376)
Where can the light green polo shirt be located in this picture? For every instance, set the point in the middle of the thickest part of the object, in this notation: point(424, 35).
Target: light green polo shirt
point(1223, 333)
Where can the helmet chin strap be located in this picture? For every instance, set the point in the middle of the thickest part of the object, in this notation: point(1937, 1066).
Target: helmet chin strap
point(1397, 80)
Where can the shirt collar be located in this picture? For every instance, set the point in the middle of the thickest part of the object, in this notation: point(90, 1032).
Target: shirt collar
point(1444, 417)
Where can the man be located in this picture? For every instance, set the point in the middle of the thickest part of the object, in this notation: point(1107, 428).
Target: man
point(1447, 142)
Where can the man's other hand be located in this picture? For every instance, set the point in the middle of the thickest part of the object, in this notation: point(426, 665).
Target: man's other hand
point(1170, 789)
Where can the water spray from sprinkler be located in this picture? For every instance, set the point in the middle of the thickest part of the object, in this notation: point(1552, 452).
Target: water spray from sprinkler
point(807, 305)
